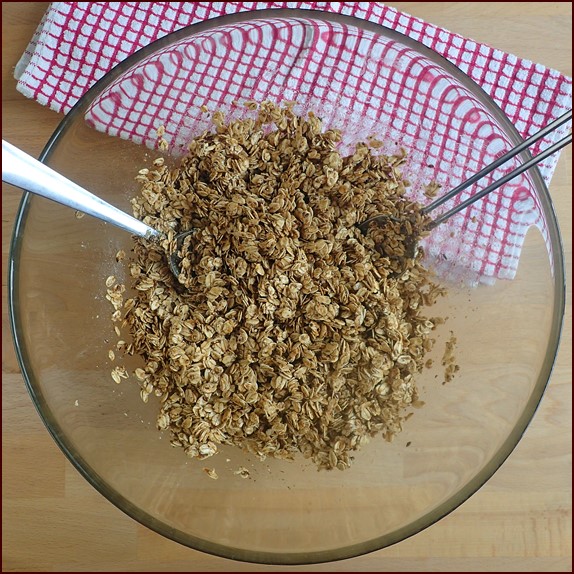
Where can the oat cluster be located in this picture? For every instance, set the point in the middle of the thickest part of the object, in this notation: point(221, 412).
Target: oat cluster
point(451, 367)
point(289, 330)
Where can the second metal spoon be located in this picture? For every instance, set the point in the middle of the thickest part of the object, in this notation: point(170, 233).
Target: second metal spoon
point(425, 211)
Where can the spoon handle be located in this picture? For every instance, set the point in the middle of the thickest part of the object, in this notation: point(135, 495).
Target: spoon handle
point(499, 182)
point(497, 163)
point(23, 171)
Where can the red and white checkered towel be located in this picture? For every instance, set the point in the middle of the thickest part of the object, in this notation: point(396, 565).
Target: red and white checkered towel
point(78, 42)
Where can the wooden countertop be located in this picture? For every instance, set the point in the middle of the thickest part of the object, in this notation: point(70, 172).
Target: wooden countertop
point(44, 525)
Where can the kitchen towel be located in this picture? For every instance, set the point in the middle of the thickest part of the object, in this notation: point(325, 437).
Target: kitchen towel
point(76, 43)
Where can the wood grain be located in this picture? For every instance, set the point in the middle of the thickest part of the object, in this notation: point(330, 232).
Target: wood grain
point(520, 521)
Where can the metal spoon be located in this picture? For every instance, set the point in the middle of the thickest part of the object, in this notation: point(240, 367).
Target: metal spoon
point(425, 211)
point(23, 171)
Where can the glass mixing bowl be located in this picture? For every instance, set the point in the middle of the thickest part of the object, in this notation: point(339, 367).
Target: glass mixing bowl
point(367, 81)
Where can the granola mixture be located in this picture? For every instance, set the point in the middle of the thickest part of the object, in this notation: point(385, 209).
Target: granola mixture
point(288, 330)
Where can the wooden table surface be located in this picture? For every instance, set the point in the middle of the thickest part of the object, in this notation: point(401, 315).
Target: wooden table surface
point(43, 527)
